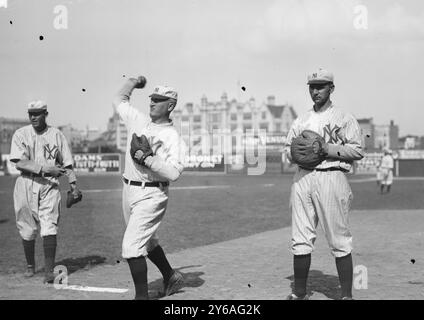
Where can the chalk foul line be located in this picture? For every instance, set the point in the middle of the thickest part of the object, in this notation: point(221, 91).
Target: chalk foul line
point(90, 289)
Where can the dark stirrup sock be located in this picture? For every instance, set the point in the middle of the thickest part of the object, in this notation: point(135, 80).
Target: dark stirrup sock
point(157, 256)
point(49, 244)
point(138, 268)
point(29, 249)
point(345, 270)
point(301, 265)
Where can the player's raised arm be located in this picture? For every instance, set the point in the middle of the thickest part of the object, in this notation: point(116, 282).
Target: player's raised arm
point(121, 101)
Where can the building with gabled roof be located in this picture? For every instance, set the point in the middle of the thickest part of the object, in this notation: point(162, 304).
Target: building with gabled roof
point(230, 116)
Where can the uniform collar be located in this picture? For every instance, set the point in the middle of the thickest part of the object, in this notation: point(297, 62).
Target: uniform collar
point(165, 124)
point(40, 132)
point(328, 108)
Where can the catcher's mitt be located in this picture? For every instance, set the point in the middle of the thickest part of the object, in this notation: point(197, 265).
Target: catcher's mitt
point(307, 149)
point(73, 197)
point(140, 149)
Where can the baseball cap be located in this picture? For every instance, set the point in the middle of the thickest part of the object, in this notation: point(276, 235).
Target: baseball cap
point(36, 106)
point(321, 76)
point(164, 92)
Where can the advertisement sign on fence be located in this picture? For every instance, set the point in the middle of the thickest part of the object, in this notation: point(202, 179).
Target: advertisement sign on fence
point(97, 162)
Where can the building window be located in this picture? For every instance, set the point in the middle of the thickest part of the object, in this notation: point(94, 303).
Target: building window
point(263, 126)
point(247, 116)
point(263, 115)
point(278, 127)
point(234, 117)
point(197, 118)
point(247, 127)
point(233, 127)
point(185, 118)
point(216, 117)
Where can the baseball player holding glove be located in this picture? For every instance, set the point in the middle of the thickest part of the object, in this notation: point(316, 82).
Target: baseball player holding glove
point(42, 155)
point(324, 142)
point(155, 155)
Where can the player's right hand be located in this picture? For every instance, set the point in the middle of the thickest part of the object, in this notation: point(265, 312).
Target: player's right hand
point(140, 82)
point(55, 171)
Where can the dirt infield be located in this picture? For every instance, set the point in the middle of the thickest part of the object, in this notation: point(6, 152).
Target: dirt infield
point(229, 236)
point(259, 267)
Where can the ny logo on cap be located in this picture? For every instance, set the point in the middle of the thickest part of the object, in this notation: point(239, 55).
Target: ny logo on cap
point(314, 75)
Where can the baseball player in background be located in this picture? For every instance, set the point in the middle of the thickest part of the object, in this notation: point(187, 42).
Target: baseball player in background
point(378, 174)
point(41, 154)
point(386, 171)
point(322, 194)
point(154, 156)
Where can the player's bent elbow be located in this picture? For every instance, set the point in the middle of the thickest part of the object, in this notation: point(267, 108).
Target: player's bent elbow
point(116, 102)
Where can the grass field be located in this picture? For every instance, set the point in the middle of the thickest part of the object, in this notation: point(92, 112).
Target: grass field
point(202, 210)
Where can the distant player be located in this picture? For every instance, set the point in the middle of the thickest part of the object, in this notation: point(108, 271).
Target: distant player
point(42, 155)
point(378, 174)
point(154, 156)
point(322, 194)
point(386, 169)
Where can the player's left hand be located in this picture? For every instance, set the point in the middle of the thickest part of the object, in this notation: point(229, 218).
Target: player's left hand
point(308, 149)
point(140, 149)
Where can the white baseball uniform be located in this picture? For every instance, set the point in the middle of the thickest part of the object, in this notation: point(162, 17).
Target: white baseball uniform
point(324, 195)
point(386, 169)
point(37, 198)
point(144, 207)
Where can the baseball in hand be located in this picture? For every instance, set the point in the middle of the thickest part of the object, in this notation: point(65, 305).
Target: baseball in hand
point(141, 82)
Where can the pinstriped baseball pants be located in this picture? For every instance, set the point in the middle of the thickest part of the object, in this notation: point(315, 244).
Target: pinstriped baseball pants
point(322, 197)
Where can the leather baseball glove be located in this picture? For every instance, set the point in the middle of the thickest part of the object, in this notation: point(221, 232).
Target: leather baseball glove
point(307, 149)
point(140, 149)
point(73, 197)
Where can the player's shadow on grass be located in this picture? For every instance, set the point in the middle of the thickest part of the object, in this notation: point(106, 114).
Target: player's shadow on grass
point(191, 280)
point(326, 284)
point(75, 264)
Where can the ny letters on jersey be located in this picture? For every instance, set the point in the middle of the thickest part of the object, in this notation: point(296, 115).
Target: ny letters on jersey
point(50, 152)
point(331, 133)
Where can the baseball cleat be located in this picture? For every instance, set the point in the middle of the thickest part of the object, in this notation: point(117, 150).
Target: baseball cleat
point(30, 271)
point(174, 283)
point(292, 296)
point(347, 298)
point(49, 278)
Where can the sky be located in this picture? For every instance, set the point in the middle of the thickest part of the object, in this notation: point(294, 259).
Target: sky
point(207, 47)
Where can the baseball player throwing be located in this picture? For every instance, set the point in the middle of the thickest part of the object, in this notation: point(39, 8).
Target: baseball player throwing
point(42, 155)
point(321, 193)
point(154, 156)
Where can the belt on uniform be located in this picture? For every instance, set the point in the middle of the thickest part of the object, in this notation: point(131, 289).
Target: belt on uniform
point(326, 169)
point(146, 184)
point(32, 175)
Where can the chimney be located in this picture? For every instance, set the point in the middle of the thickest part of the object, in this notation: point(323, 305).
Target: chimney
point(224, 98)
point(204, 101)
point(271, 100)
